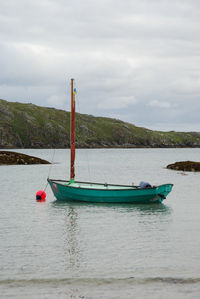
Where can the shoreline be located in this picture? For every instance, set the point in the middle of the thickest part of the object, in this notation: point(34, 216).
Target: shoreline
point(101, 147)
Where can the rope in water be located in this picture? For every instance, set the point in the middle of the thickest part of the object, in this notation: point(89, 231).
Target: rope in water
point(50, 167)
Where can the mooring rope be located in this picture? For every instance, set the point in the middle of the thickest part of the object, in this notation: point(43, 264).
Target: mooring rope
point(50, 168)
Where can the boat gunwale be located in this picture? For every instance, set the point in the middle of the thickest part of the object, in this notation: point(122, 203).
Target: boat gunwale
point(130, 187)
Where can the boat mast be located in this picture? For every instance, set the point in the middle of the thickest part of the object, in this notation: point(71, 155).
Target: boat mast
point(72, 173)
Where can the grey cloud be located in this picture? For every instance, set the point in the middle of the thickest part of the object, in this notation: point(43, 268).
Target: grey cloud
point(137, 60)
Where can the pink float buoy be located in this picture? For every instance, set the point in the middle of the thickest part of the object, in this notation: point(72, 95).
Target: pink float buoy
point(41, 195)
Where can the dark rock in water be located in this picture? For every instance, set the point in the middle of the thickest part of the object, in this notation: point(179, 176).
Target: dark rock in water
point(13, 158)
point(185, 166)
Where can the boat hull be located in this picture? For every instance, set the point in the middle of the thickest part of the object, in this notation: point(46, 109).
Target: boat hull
point(100, 193)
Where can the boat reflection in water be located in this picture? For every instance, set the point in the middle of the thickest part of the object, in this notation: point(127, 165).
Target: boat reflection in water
point(100, 239)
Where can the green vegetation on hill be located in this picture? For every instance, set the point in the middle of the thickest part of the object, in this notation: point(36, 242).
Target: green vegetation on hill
point(31, 126)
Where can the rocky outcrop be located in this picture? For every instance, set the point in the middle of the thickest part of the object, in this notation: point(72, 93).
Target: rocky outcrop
point(185, 166)
point(12, 158)
point(30, 126)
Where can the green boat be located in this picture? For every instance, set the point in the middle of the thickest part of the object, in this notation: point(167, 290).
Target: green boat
point(72, 190)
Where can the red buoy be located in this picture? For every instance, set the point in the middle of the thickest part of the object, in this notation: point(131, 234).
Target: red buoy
point(41, 195)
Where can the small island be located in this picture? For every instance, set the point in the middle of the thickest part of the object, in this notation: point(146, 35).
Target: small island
point(13, 158)
point(185, 166)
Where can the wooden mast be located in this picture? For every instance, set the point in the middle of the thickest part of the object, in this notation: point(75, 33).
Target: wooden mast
point(72, 172)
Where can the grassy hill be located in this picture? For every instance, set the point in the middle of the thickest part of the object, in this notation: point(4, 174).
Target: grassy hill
point(31, 126)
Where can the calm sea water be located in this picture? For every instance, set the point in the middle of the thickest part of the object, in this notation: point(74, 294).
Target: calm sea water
point(65, 250)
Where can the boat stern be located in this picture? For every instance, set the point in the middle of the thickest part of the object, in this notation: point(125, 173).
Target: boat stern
point(163, 190)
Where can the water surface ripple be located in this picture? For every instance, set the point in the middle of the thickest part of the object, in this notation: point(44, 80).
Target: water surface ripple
point(74, 250)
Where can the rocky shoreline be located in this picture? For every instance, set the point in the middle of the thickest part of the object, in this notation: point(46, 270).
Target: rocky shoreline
point(185, 166)
point(13, 158)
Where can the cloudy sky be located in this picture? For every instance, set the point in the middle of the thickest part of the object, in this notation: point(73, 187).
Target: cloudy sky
point(134, 60)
